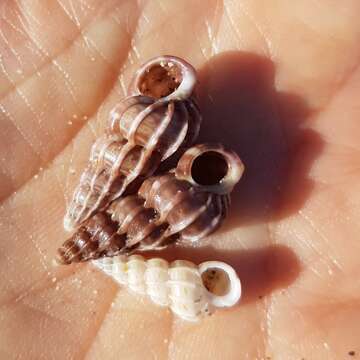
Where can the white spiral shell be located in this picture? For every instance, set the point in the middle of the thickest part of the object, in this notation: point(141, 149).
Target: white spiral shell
point(179, 285)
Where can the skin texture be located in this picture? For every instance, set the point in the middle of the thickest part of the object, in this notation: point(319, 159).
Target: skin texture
point(279, 83)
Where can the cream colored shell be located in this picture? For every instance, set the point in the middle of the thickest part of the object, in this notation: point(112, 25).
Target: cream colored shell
point(178, 285)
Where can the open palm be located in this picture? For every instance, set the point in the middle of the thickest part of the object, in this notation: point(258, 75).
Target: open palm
point(278, 82)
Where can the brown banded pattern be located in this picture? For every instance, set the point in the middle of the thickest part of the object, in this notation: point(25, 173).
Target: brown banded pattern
point(144, 130)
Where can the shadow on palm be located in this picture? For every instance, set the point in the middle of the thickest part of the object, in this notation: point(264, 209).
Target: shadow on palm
point(262, 271)
point(242, 109)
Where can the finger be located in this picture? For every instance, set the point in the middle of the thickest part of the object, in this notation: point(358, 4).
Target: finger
point(42, 111)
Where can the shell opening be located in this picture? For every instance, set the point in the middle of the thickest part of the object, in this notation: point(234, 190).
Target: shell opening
point(160, 80)
point(165, 78)
point(216, 281)
point(209, 168)
point(222, 284)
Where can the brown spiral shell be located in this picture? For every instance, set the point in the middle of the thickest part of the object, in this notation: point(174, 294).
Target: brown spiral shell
point(96, 238)
point(166, 208)
point(143, 131)
point(156, 125)
point(162, 112)
point(114, 164)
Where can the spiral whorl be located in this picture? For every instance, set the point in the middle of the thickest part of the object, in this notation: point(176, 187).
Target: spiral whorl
point(190, 212)
point(143, 131)
point(114, 164)
point(190, 291)
point(97, 237)
point(170, 207)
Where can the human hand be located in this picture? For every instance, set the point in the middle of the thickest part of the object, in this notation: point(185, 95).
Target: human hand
point(278, 83)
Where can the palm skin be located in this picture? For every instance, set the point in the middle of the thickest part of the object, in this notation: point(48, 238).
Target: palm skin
point(278, 82)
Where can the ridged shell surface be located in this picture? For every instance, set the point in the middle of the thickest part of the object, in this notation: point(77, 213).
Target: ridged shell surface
point(114, 165)
point(143, 131)
point(170, 207)
point(186, 209)
point(165, 211)
point(96, 238)
point(178, 285)
point(164, 126)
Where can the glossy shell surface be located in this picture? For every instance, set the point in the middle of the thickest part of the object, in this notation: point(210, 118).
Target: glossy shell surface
point(180, 285)
point(143, 131)
point(114, 164)
point(188, 211)
point(97, 237)
point(165, 210)
point(156, 125)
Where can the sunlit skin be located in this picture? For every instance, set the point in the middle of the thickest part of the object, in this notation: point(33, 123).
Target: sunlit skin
point(279, 82)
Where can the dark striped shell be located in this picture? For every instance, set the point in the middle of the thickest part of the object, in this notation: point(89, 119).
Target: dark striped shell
point(114, 164)
point(96, 238)
point(155, 124)
point(166, 209)
point(143, 132)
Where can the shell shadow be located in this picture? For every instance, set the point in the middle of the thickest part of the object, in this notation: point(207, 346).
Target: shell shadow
point(261, 271)
point(243, 110)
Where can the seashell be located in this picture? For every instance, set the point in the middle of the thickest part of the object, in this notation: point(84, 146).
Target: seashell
point(162, 112)
point(210, 167)
point(114, 165)
point(168, 77)
point(190, 291)
point(97, 237)
point(143, 131)
point(156, 124)
point(193, 201)
point(166, 209)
